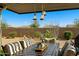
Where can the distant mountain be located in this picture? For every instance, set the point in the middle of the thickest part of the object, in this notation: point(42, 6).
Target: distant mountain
point(19, 26)
point(50, 26)
point(71, 25)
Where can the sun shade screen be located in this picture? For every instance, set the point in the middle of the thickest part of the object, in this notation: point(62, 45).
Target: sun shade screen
point(10, 48)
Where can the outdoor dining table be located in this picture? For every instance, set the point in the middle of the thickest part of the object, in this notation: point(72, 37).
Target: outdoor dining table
point(52, 50)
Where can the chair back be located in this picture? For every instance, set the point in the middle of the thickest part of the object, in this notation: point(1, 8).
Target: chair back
point(64, 47)
point(70, 51)
point(23, 44)
point(13, 46)
point(28, 43)
point(17, 46)
point(8, 50)
point(20, 46)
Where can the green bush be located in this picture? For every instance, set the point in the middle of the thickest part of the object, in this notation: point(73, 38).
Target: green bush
point(12, 34)
point(1, 52)
point(67, 35)
point(48, 34)
point(37, 34)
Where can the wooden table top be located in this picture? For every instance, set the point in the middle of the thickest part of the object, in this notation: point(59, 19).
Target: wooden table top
point(52, 50)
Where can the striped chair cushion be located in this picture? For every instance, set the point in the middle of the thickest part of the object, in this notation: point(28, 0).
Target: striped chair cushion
point(23, 44)
point(14, 48)
point(28, 43)
point(20, 47)
point(17, 47)
point(70, 51)
point(64, 48)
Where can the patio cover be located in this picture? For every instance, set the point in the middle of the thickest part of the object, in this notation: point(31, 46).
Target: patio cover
point(22, 8)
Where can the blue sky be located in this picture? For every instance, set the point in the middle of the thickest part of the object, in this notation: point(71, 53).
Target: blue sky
point(57, 17)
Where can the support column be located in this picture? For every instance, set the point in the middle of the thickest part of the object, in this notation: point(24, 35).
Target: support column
point(0, 30)
point(2, 7)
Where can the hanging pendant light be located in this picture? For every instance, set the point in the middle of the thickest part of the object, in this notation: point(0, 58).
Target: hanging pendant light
point(42, 17)
point(44, 13)
point(43, 10)
point(35, 18)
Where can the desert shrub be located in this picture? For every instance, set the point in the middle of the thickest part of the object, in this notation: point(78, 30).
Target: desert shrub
point(48, 34)
point(1, 52)
point(37, 34)
point(67, 35)
point(12, 34)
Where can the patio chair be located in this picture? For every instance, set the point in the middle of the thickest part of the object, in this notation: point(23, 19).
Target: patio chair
point(63, 49)
point(8, 50)
point(23, 44)
point(14, 48)
point(65, 46)
point(76, 41)
point(68, 48)
point(18, 48)
point(28, 42)
point(70, 51)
